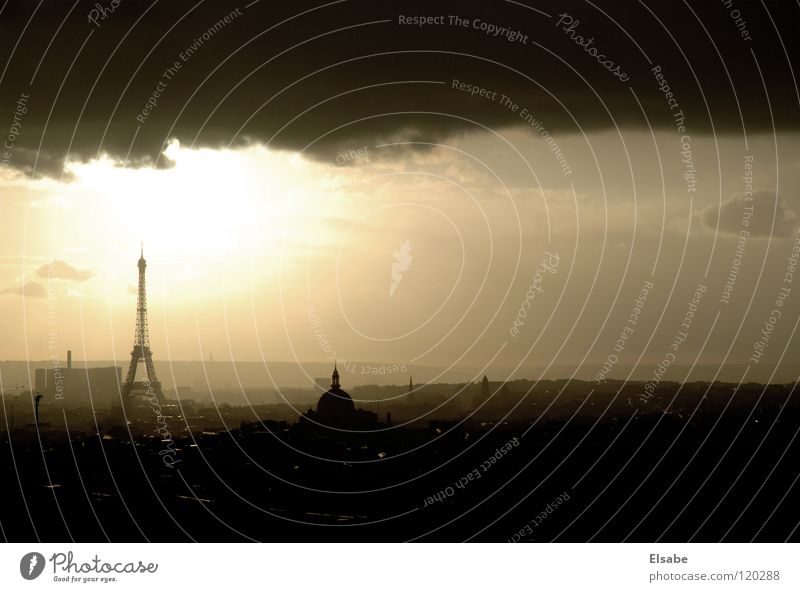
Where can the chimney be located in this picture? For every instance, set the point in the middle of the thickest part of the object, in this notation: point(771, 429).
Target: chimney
point(69, 359)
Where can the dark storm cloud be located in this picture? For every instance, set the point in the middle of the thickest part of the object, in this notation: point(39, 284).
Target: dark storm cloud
point(38, 163)
point(328, 80)
point(758, 209)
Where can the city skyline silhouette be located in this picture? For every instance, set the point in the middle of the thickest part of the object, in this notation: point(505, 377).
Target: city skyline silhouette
point(462, 271)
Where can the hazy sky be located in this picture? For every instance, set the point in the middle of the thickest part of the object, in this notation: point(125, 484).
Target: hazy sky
point(274, 185)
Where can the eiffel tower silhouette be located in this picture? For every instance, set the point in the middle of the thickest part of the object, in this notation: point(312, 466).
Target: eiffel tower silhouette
point(141, 347)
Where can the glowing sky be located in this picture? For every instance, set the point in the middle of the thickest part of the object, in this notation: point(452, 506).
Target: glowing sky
point(333, 179)
point(254, 252)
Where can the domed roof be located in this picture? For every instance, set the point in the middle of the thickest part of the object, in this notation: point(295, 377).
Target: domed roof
point(335, 403)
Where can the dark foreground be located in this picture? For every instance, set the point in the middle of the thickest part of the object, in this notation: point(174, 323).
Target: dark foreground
point(729, 473)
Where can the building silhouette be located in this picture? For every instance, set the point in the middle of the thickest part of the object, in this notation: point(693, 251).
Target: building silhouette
point(82, 387)
point(335, 408)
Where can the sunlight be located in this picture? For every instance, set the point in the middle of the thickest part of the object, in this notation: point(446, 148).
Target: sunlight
point(213, 207)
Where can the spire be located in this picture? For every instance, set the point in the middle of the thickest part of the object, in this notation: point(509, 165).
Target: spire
point(335, 377)
point(410, 383)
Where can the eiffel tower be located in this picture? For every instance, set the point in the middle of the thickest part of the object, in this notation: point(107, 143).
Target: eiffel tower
point(141, 347)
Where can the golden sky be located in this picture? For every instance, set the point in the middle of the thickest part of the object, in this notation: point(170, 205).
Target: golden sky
point(257, 253)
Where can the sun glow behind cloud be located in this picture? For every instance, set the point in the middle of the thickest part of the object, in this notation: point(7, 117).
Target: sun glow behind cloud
point(213, 209)
point(211, 202)
point(251, 237)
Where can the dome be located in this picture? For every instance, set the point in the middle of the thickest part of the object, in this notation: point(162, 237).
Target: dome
point(335, 403)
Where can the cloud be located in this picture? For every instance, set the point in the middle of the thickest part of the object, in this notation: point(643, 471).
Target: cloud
point(31, 289)
point(342, 76)
point(763, 204)
point(61, 270)
point(38, 163)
